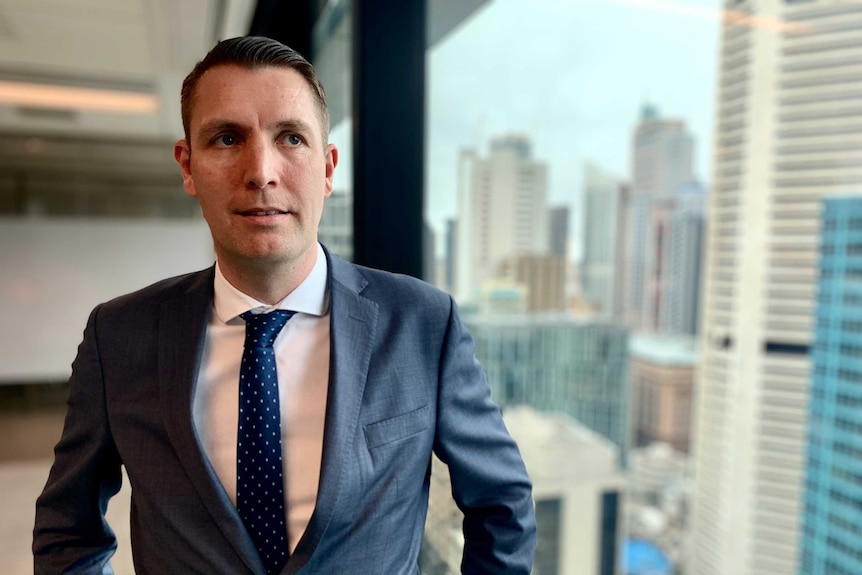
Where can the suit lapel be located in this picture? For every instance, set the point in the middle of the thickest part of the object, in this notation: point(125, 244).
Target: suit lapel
point(353, 319)
point(182, 330)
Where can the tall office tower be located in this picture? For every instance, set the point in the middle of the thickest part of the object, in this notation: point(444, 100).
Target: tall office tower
point(662, 164)
point(558, 230)
point(543, 277)
point(558, 362)
point(788, 133)
point(429, 254)
point(449, 255)
point(605, 202)
point(623, 273)
point(662, 380)
point(832, 524)
point(578, 490)
point(677, 224)
point(336, 224)
point(502, 211)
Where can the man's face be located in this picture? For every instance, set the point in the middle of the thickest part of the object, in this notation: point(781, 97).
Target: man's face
point(257, 164)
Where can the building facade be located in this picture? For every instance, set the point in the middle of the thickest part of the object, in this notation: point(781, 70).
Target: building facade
point(605, 237)
point(336, 224)
point(502, 211)
point(832, 523)
point(579, 493)
point(787, 134)
point(543, 278)
point(677, 224)
point(661, 165)
point(558, 230)
point(558, 362)
point(662, 372)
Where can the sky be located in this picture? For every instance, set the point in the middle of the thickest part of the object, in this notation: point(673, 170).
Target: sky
point(574, 76)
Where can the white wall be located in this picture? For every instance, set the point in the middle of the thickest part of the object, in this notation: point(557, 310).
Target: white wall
point(53, 271)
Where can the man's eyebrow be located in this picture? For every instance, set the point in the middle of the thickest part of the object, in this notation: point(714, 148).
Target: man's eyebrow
point(292, 125)
point(215, 126)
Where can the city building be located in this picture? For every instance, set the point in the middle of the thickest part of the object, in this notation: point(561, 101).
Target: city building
point(662, 372)
point(661, 166)
point(429, 259)
point(787, 135)
point(657, 504)
point(559, 362)
point(448, 278)
point(558, 230)
point(677, 224)
point(543, 277)
point(502, 297)
point(336, 224)
point(578, 489)
point(605, 233)
point(502, 211)
point(832, 522)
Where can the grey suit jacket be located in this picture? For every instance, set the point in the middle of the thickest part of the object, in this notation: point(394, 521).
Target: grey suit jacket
point(403, 383)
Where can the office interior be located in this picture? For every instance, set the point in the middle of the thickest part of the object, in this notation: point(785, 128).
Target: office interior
point(91, 203)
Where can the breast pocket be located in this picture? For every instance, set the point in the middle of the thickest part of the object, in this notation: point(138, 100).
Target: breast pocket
point(397, 428)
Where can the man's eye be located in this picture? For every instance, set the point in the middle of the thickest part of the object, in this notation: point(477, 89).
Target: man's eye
point(293, 139)
point(226, 140)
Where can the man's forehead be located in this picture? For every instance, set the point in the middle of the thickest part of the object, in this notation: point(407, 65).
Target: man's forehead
point(228, 89)
point(278, 82)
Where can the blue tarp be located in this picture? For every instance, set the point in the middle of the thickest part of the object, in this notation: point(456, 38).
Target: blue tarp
point(644, 558)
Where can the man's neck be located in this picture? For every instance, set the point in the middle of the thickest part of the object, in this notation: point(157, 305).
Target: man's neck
point(267, 282)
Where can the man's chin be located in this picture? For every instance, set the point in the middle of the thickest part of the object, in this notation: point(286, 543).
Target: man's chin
point(269, 257)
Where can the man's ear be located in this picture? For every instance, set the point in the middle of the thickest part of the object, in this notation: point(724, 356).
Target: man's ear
point(331, 158)
point(183, 156)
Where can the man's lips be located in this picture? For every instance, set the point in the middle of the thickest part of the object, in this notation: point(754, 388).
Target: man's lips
point(262, 212)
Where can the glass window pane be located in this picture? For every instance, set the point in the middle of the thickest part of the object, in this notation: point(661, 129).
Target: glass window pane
point(668, 167)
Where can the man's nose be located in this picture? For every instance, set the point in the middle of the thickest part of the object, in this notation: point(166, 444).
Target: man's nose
point(260, 164)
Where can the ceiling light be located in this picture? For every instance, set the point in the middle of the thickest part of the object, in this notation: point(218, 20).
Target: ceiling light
point(78, 99)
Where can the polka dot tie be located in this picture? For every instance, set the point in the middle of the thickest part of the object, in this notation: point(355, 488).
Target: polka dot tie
point(260, 479)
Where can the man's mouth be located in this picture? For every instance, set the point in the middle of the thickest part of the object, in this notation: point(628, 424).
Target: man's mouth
point(262, 212)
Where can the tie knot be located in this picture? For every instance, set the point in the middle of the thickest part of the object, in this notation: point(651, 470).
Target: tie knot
point(262, 329)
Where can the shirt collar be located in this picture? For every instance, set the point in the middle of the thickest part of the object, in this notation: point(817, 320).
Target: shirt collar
point(309, 297)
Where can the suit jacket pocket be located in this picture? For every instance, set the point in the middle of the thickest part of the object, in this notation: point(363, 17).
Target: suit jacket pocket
point(397, 428)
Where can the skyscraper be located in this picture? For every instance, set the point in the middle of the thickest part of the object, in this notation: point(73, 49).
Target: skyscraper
point(787, 133)
point(559, 232)
point(832, 523)
point(677, 224)
point(605, 233)
point(449, 256)
point(502, 211)
point(661, 166)
point(336, 224)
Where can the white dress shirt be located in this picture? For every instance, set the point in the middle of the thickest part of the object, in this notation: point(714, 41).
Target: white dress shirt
point(302, 363)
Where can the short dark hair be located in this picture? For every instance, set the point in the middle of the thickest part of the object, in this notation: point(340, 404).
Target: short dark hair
point(253, 52)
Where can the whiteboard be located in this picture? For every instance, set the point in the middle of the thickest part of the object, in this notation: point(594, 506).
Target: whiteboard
point(53, 271)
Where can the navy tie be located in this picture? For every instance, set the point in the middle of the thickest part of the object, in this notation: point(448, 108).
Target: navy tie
point(260, 479)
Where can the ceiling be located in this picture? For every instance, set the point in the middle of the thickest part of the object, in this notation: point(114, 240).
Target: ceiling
point(101, 51)
point(92, 86)
point(81, 76)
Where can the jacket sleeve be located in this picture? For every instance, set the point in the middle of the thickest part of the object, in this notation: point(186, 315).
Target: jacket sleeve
point(71, 534)
point(489, 481)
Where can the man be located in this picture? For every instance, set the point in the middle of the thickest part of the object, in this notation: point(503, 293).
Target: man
point(374, 373)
